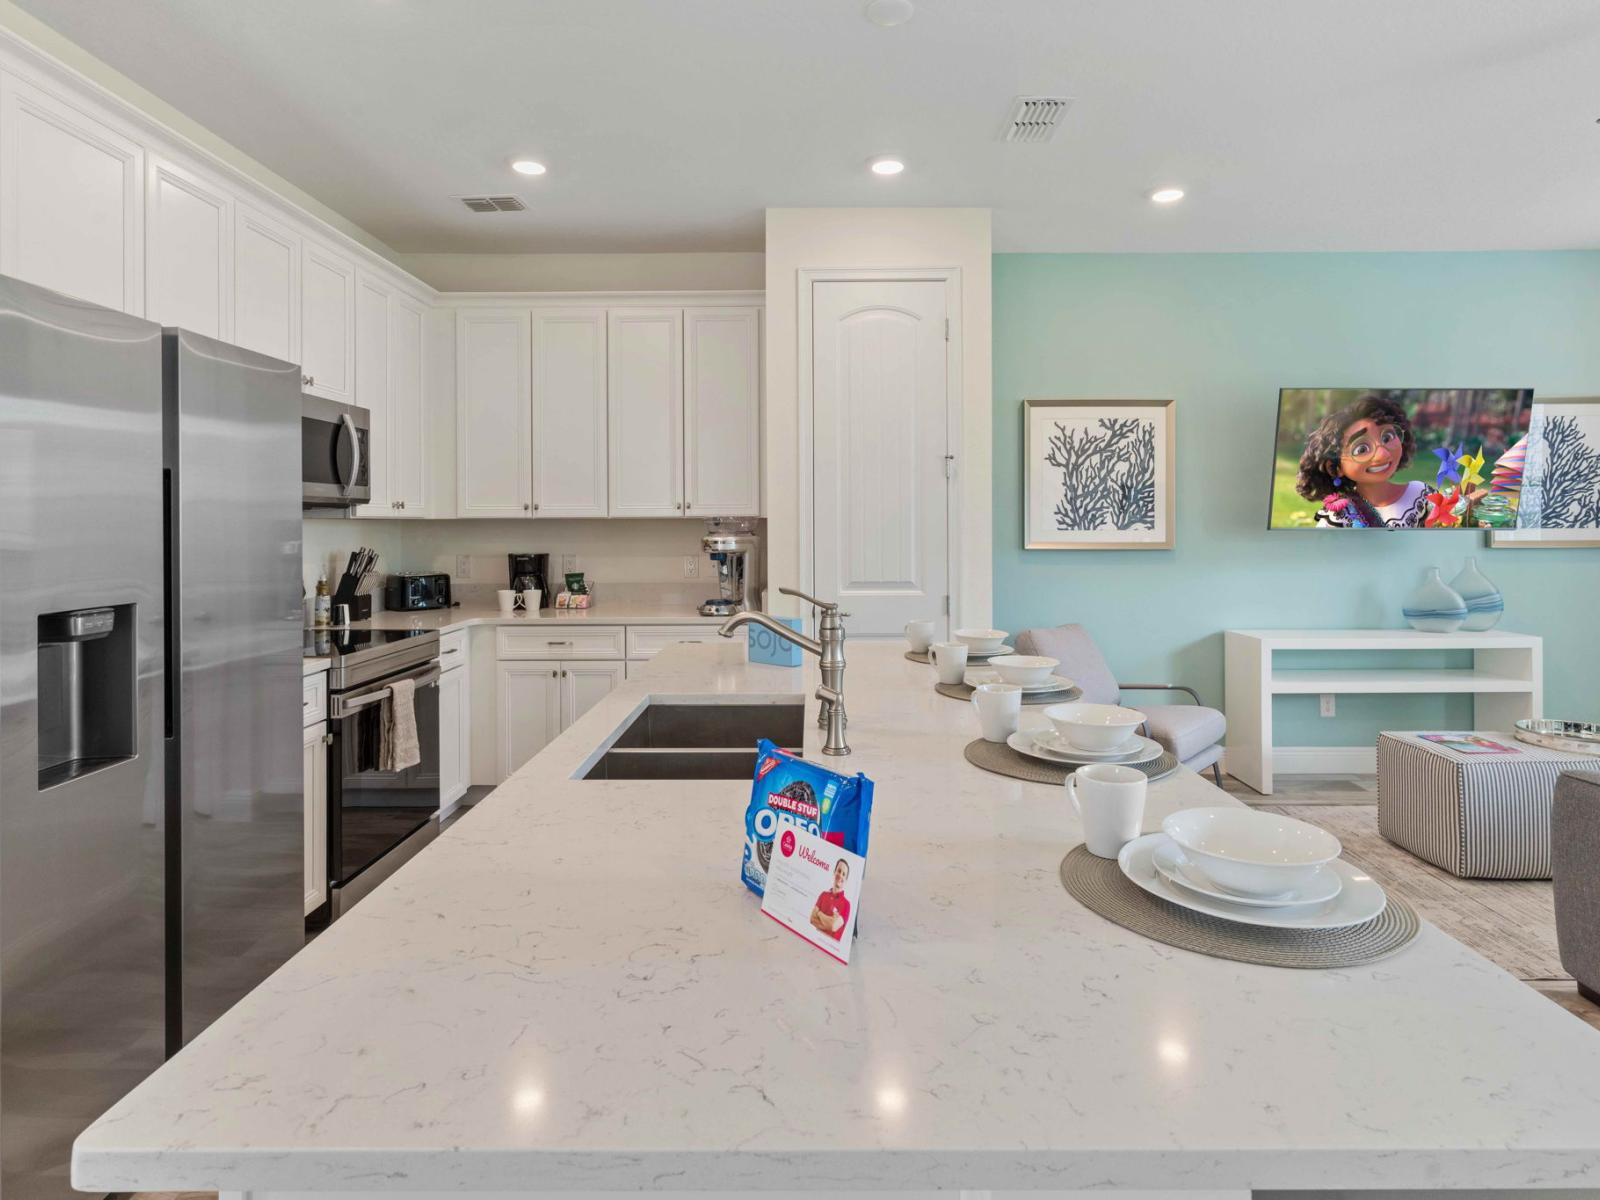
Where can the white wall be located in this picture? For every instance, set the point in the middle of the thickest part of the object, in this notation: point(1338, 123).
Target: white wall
point(800, 239)
point(587, 272)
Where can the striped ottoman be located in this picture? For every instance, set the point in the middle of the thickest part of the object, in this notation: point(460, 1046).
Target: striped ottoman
point(1476, 815)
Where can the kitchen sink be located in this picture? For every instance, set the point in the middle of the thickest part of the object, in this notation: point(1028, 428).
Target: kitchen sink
point(699, 741)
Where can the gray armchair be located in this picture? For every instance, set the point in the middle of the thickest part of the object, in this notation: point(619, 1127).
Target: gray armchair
point(1575, 872)
point(1191, 732)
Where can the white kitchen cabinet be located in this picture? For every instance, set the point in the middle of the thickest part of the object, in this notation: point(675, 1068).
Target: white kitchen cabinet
point(585, 684)
point(494, 476)
point(455, 734)
point(327, 323)
point(71, 199)
point(314, 774)
point(569, 413)
point(645, 364)
point(528, 710)
point(188, 251)
point(722, 412)
point(266, 285)
point(372, 391)
point(389, 347)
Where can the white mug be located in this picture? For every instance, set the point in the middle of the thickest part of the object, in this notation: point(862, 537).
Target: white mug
point(919, 635)
point(508, 600)
point(531, 600)
point(999, 707)
point(1109, 801)
point(950, 660)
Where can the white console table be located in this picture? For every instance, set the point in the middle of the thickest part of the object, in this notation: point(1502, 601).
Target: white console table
point(1506, 681)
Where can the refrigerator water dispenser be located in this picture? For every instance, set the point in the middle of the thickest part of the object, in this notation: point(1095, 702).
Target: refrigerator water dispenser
point(87, 692)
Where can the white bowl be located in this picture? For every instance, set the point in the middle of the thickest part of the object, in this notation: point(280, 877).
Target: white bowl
point(1245, 850)
point(1094, 726)
point(981, 639)
point(1024, 670)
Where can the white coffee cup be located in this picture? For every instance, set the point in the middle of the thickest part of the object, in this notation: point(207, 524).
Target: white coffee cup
point(999, 707)
point(950, 660)
point(508, 600)
point(919, 635)
point(1109, 801)
point(531, 599)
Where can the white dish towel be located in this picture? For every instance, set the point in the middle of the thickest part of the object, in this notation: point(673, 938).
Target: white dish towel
point(397, 746)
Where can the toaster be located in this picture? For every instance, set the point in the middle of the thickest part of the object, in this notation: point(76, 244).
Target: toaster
point(408, 593)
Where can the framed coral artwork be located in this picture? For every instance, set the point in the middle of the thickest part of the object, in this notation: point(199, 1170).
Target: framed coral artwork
point(1560, 502)
point(1097, 474)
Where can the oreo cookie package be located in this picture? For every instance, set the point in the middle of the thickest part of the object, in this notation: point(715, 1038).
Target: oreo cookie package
point(789, 791)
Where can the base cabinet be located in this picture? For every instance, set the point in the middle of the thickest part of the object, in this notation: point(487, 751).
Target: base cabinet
point(314, 772)
point(455, 737)
point(536, 701)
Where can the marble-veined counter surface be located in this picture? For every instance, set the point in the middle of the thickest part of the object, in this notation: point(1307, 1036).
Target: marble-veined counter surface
point(571, 990)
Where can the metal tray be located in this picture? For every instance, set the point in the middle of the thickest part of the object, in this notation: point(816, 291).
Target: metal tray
point(1573, 737)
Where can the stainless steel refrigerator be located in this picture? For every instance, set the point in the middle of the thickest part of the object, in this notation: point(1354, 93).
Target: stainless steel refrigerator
point(150, 789)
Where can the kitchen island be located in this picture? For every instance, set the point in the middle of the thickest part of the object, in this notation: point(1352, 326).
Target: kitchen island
point(571, 990)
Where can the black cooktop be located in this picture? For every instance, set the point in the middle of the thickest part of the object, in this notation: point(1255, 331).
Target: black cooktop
point(354, 643)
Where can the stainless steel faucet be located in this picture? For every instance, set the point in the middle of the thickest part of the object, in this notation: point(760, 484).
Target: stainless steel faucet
point(828, 646)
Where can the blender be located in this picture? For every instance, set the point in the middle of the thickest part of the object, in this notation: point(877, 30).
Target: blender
point(732, 544)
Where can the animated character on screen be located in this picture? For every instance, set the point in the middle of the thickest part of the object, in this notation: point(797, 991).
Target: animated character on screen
point(831, 912)
point(1349, 463)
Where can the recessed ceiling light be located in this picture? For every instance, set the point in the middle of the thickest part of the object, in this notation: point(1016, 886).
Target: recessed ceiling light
point(527, 166)
point(887, 166)
point(889, 13)
point(1167, 195)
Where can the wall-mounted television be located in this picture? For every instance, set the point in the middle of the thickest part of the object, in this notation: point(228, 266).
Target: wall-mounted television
point(1399, 458)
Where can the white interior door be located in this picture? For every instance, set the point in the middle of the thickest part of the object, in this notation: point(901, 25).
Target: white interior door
point(880, 433)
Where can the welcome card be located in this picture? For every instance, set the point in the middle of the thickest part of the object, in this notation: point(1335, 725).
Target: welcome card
point(812, 888)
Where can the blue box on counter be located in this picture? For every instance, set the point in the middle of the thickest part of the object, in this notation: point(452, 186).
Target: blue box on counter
point(768, 647)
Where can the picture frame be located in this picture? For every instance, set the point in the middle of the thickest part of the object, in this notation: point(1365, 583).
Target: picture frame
point(1567, 427)
point(1098, 474)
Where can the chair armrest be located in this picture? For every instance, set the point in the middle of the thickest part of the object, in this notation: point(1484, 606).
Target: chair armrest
point(1161, 687)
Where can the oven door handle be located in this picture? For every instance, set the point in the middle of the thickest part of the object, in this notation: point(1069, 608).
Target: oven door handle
point(343, 706)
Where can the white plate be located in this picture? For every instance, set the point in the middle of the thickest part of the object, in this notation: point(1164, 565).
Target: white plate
point(1137, 749)
point(1169, 860)
point(1359, 899)
point(1027, 743)
point(1056, 683)
point(979, 655)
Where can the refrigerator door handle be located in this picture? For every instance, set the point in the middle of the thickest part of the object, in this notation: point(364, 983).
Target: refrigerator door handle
point(355, 451)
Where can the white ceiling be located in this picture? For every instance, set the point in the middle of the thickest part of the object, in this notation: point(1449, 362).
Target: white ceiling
point(671, 124)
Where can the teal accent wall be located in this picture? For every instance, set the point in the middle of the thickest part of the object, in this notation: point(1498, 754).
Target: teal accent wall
point(1220, 334)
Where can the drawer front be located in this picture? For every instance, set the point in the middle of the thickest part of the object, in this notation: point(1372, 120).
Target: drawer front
point(453, 650)
point(647, 641)
point(559, 641)
point(314, 700)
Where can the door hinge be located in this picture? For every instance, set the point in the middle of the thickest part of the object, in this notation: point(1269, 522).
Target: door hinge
point(949, 466)
point(947, 329)
point(947, 606)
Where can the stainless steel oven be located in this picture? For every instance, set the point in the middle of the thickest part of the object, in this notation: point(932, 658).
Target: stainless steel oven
point(334, 459)
point(378, 819)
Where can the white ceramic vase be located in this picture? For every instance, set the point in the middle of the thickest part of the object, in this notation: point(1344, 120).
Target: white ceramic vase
point(1433, 606)
point(1485, 604)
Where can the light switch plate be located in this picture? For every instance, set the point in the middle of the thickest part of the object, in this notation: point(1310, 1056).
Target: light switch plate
point(1327, 704)
point(463, 566)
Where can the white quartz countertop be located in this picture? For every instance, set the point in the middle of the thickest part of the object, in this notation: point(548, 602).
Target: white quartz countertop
point(616, 612)
point(571, 989)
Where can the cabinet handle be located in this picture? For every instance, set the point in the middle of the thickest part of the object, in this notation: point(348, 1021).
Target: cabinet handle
point(524, 508)
point(552, 674)
point(563, 673)
point(327, 739)
point(442, 653)
point(402, 504)
point(535, 508)
point(552, 643)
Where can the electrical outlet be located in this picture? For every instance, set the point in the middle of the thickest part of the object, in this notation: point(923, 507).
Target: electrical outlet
point(691, 566)
point(569, 564)
point(463, 566)
point(1327, 704)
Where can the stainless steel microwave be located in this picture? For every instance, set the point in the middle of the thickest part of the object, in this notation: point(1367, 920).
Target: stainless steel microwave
point(334, 458)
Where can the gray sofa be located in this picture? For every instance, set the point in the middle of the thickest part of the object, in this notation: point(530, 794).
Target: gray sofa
point(1575, 869)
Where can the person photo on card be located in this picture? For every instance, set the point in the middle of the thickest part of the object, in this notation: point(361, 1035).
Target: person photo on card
point(831, 913)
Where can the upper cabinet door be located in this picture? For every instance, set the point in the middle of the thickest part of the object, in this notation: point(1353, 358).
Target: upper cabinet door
point(722, 412)
point(327, 323)
point(493, 457)
point(569, 413)
point(71, 200)
point(645, 355)
point(266, 286)
point(372, 392)
point(189, 252)
point(408, 435)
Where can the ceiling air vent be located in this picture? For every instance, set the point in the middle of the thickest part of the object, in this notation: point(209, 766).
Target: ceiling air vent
point(489, 204)
point(1034, 118)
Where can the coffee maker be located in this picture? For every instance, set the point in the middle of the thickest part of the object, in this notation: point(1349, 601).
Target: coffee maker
point(530, 571)
point(734, 549)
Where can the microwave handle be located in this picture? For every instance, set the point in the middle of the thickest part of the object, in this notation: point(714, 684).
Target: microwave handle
point(355, 452)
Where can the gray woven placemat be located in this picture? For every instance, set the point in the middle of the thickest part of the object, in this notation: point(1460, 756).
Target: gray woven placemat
point(1100, 886)
point(1003, 760)
point(920, 656)
point(963, 691)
